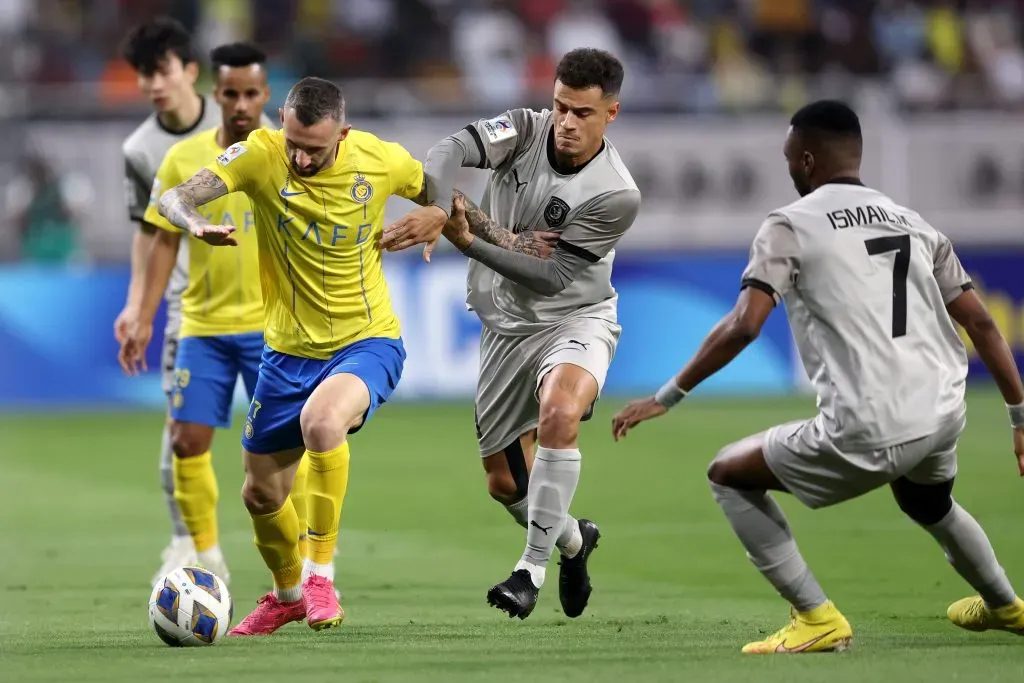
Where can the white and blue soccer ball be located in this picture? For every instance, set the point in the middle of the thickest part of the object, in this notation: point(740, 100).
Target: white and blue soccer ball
point(190, 607)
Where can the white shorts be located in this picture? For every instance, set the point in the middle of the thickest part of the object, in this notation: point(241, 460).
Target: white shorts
point(169, 352)
point(819, 474)
point(512, 367)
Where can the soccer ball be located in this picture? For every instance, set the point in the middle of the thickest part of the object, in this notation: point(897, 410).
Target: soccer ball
point(190, 606)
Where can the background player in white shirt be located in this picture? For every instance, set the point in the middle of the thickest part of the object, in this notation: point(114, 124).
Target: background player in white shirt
point(549, 324)
point(161, 53)
point(871, 292)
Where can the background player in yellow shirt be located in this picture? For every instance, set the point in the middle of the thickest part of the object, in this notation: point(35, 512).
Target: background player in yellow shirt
point(222, 305)
point(333, 351)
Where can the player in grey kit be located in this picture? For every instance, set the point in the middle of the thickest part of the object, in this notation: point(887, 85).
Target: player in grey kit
point(871, 292)
point(549, 324)
point(161, 53)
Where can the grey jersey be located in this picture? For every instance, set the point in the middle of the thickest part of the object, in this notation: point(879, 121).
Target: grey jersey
point(590, 208)
point(866, 282)
point(143, 151)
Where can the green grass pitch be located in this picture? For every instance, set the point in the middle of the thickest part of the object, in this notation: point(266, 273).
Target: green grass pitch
point(82, 523)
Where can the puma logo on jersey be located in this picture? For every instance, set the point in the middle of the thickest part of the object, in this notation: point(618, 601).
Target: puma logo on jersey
point(519, 185)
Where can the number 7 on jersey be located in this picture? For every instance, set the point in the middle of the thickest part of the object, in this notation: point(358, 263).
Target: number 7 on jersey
point(900, 268)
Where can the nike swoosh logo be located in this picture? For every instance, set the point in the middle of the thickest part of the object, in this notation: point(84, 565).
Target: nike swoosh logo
point(800, 648)
point(286, 193)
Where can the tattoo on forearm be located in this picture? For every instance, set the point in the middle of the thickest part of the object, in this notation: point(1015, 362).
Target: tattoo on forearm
point(481, 225)
point(178, 205)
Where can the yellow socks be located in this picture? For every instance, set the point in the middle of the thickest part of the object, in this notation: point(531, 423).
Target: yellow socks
point(277, 540)
point(195, 490)
point(328, 481)
point(300, 499)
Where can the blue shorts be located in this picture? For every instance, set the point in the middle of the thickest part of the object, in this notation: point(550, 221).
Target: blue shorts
point(286, 382)
point(205, 372)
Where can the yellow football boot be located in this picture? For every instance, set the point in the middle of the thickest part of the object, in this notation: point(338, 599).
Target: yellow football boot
point(974, 615)
point(823, 629)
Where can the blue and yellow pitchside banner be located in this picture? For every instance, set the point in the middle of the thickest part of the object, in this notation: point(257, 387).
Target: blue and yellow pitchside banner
point(999, 278)
point(57, 349)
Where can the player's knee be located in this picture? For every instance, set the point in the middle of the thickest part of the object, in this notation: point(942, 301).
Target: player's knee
point(502, 487)
point(190, 441)
point(718, 471)
point(559, 424)
point(926, 504)
point(260, 497)
point(322, 432)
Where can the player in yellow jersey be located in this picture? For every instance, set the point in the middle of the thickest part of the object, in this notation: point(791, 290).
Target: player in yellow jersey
point(333, 352)
point(222, 305)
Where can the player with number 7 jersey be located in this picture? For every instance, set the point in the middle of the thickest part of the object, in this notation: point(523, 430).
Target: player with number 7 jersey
point(872, 292)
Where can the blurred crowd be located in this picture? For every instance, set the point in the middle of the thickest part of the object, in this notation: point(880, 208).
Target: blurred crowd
point(691, 55)
point(60, 59)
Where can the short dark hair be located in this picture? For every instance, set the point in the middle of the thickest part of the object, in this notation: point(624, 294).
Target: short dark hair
point(148, 43)
point(315, 99)
point(587, 67)
point(827, 117)
point(235, 55)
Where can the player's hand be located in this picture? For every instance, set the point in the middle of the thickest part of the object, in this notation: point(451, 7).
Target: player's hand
point(216, 235)
point(123, 321)
point(543, 243)
point(1018, 448)
point(132, 355)
point(456, 228)
point(422, 226)
point(633, 414)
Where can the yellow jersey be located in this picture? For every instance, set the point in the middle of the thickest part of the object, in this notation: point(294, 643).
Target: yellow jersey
point(223, 295)
point(320, 260)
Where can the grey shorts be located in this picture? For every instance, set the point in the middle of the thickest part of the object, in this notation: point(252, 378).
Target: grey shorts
point(819, 474)
point(512, 367)
point(169, 352)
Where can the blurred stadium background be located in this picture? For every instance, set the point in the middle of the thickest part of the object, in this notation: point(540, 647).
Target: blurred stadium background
point(709, 85)
point(709, 88)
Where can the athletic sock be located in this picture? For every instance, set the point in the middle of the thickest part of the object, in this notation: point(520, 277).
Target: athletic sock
point(300, 498)
point(968, 549)
point(762, 528)
point(556, 472)
point(569, 541)
point(328, 482)
point(167, 483)
point(195, 491)
point(277, 536)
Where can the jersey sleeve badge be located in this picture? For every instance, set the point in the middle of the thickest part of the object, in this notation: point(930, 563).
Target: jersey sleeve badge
point(231, 153)
point(556, 212)
point(500, 128)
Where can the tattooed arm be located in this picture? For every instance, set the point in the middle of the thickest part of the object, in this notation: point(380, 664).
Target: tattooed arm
point(179, 206)
point(598, 226)
point(529, 242)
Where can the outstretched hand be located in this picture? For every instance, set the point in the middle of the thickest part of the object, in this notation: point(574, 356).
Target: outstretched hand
point(633, 414)
point(421, 226)
point(216, 235)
